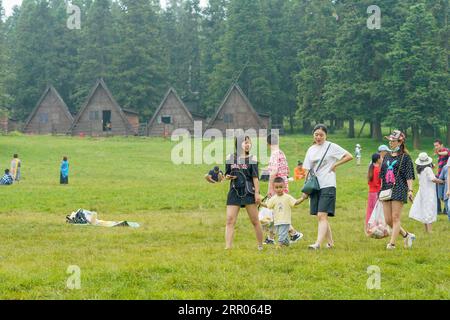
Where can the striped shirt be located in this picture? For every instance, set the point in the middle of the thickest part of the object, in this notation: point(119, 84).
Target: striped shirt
point(6, 179)
point(442, 160)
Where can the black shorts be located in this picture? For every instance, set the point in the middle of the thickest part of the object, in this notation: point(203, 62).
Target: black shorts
point(323, 200)
point(241, 200)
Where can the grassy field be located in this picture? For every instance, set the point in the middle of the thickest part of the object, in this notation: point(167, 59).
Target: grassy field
point(178, 252)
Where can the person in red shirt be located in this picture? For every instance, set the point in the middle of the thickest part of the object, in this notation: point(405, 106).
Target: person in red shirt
point(374, 182)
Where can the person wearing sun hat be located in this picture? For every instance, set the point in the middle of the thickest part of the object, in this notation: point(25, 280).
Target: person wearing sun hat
point(383, 150)
point(424, 208)
point(397, 173)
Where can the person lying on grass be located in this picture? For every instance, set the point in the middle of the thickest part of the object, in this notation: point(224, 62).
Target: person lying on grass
point(7, 179)
point(281, 205)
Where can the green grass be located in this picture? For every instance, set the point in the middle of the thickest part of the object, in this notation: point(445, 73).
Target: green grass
point(177, 253)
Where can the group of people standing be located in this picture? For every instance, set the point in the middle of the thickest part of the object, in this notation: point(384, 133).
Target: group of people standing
point(14, 174)
point(392, 171)
point(390, 178)
point(321, 160)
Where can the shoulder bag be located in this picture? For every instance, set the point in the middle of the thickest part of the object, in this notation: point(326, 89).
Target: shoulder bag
point(312, 183)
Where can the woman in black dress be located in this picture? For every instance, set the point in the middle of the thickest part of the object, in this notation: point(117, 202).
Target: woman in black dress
point(397, 172)
point(242, 171)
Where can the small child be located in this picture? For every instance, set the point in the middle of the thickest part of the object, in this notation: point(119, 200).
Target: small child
point(281, 204)
point(299, 171)
point(7, 179)
point(358, 154)
point(64, 171)
point(15, 167)
point(374, 182)
point(424, 207)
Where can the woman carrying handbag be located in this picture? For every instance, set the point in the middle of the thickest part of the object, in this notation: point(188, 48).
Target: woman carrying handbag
point(321, 161)
point(397, 175)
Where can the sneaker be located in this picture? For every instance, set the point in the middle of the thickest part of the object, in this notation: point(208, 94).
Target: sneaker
point(297, 236)
point(314, 246)
point(269, 241)
point(390, 246)
point(260, 248)
point(409, 240)
point(330, 246)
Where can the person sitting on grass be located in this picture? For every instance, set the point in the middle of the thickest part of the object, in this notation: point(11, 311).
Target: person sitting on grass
point(299, 172)
point(7, 179)
point(281, 204)
point(215, 175)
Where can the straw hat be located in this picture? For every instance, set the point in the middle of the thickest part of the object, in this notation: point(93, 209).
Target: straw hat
point(423, 159)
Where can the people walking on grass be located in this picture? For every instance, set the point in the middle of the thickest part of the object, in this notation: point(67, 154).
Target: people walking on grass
point(323, 202)
point(279, 168)
point(358, 154)
point(424, 208)
point(397, 175)
point(215, 175)
point(64, 171)
point(242, 171)
point(15, 167)
point(7, 178)
point(374, 182)
point(281, 204)
point(443, 155)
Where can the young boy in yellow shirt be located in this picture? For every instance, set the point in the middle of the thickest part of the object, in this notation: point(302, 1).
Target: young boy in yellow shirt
point(281, 204)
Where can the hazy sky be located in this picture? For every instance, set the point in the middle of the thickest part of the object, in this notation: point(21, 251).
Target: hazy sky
point(9, 4)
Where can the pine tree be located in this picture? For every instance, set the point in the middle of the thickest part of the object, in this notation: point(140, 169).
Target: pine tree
point(317, 35)
point(419, 92)
point(140, 63)
point(213, 29)
point(3, 59)
point(245, 57)
point(32, 55)
point(95, 54)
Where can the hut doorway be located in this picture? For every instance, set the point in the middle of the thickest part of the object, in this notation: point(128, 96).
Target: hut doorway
point(106, 120)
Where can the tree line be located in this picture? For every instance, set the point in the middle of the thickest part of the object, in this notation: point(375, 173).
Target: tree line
point(300, 61)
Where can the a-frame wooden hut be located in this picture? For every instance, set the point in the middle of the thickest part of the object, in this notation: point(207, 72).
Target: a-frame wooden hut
point(171, 114)
point(50, 115)
point(101, 115)
point(236, 112)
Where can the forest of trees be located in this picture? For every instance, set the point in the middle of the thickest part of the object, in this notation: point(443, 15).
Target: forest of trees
point(301, 61)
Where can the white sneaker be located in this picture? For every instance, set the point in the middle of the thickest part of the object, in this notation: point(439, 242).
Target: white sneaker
point(409, 240)
point(260, 248)
point(390, 246)
point(314, 246)
point(330, 246)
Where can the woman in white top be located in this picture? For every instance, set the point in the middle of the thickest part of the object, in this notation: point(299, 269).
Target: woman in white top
point(424, 208)
point(323, 202)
